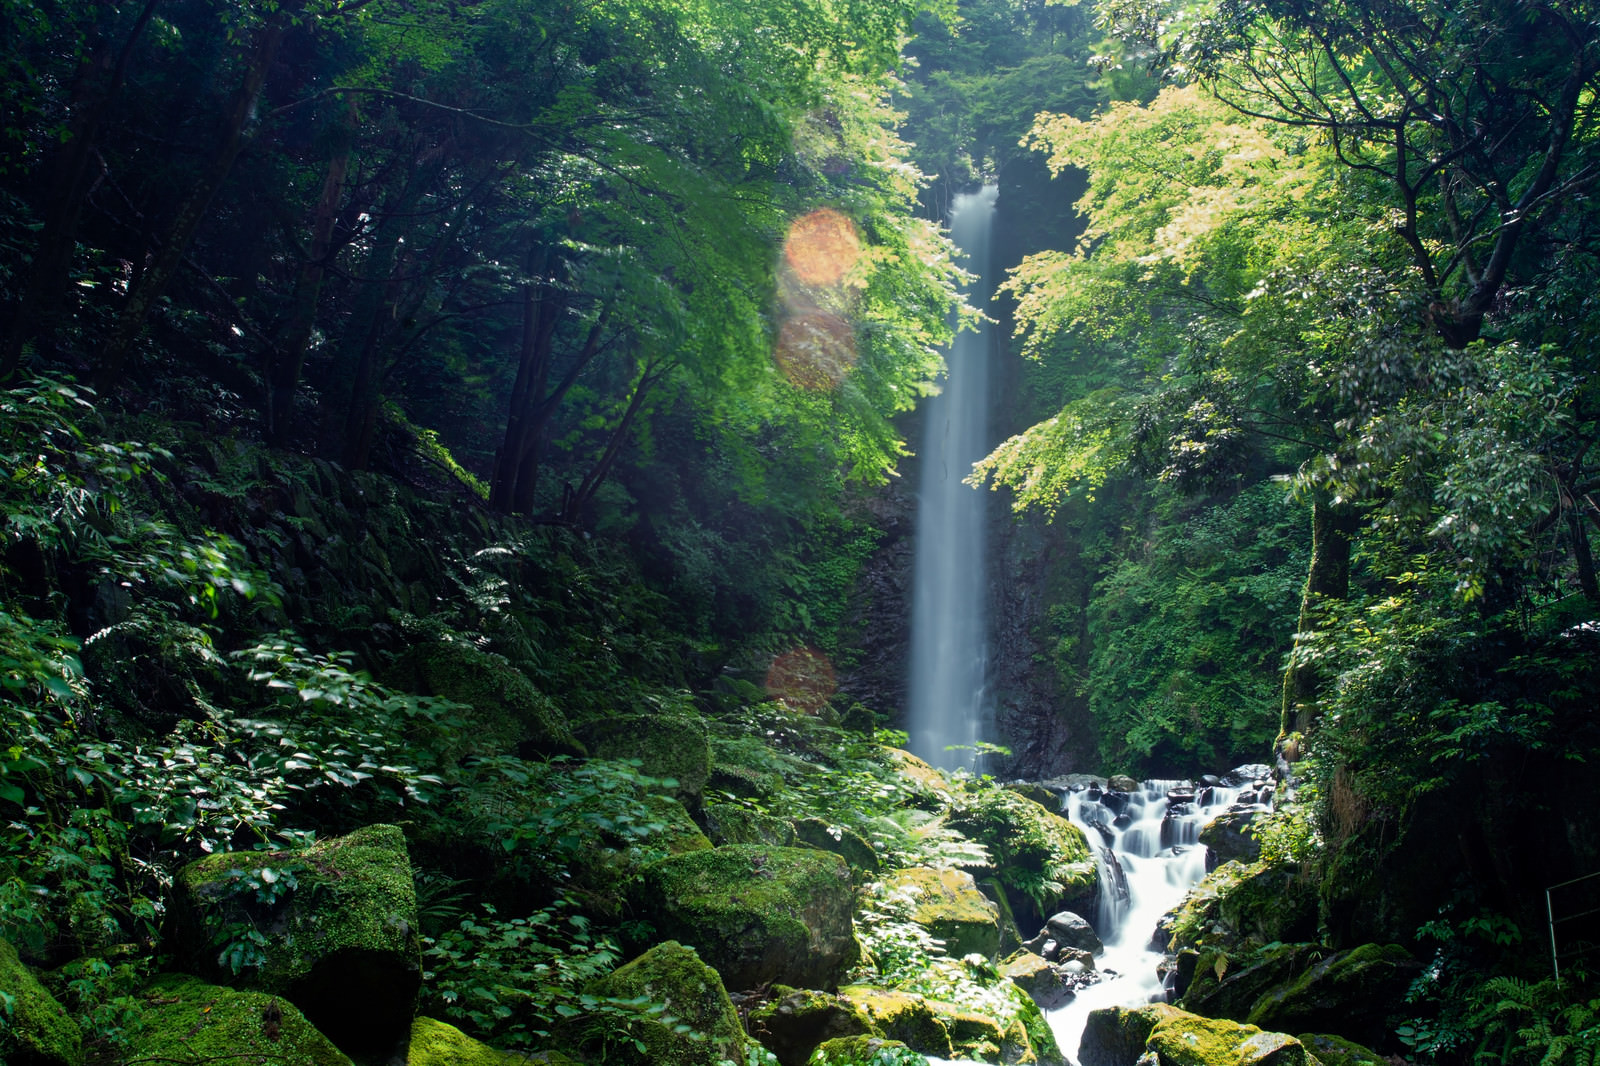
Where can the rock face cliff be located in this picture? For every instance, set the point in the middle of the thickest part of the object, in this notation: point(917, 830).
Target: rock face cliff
point(1029, 561)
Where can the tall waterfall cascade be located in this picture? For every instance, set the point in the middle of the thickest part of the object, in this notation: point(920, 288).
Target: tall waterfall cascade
point(1147, 849)
point(949, 634)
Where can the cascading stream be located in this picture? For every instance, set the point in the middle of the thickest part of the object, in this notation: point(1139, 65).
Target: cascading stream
point(1149, 856)
point(949, 636)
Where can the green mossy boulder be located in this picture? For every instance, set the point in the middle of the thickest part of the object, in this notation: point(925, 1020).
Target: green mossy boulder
point(1028, 1036)
point(1333, 1050)
point(973, 1035)
point(342, 944)
point(933, 792)
point(950, 906)
point(507, 714)
point(673, 976)
point(1116, 1036)
point(1010, 935)
point(1350, 993)
point(1044, 797)
point(1042, 860)
point(1035, 976)
point(680, 833)
point(757, 914)
point(1226, 838)
point(903, 1016)
point(853, 1050)
point(842, 841)
point(1184, 1039)
point(672, 746)
point(792, 1025)
point(729, 823)
point(1227, 986)
point(39, 1031)
point(1238, 906)
point(436, 1043)
point(182, 1019)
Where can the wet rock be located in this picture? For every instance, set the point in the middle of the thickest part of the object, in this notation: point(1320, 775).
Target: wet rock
point(1123, 783)
point(1248, 774)
point(1226, 840)
point(1210, 780)
point(1071, 931)
point(1036, 976)
point(1116, 1036)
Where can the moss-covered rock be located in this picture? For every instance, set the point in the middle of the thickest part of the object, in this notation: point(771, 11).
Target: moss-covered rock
point(841, 840)
point(342, 944)
point(1238, 906)
point(1227, 986)
point(1028, 1036)
point(504, 714)
point(974, 1035)
point(1350, 993)
point(183, 1019)
point(1226, 838)
point(1041, 859)
point(1116, 1036)
point(949, 905)
point(758, 914)
point(934, 791)
point(39, 1031)
point(853, 1050)
point(436, 1043)
point(672, 746)
point(675, 977)
point(1183, 1039)
point(1333, 1050)
point(903, 1016)
point(1045, 797)
point(1035, 976)
point(679, 832)
point(729, 823)
point(1010, 935)
point(792, 1025)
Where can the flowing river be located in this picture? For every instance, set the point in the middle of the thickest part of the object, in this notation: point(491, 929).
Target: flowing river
point(1148, 852)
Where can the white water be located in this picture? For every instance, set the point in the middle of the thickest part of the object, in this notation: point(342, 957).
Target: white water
point(1160, 859)
point(949, 637)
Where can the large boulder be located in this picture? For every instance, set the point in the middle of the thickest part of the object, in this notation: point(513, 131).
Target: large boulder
point(1350, 993)
point(1041, 859)
point(1035, 976)
point(182, 1019)
point(502, 711)
point(672, 746)
point(1070, 932)
point(792, 1024)
point(39, 1032)
point(1116, 1036)
point(1237, 906)
point(1184, 1039)
point(729, 823)
point(758, 914)
point(904, 1016)
point(1225, 986)
point(692, 994)
point(331, 928)
point(853, 1049)
point(1227, 840)
point(950, 906)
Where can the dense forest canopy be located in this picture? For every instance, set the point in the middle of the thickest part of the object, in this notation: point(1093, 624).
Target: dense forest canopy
point(474, 417)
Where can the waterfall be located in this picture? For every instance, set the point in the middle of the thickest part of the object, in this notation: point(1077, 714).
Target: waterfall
point(1149, 855)
point(949, 638)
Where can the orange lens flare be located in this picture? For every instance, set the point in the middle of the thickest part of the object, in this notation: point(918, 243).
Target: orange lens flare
point(802, 680)
point(821, 247)
point(815, 349)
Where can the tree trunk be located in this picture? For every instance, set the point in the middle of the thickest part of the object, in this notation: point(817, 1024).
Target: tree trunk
point(287, 356)
point(1332, 530)
point(153, 281)
point(574, 502)
point(69, 183)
